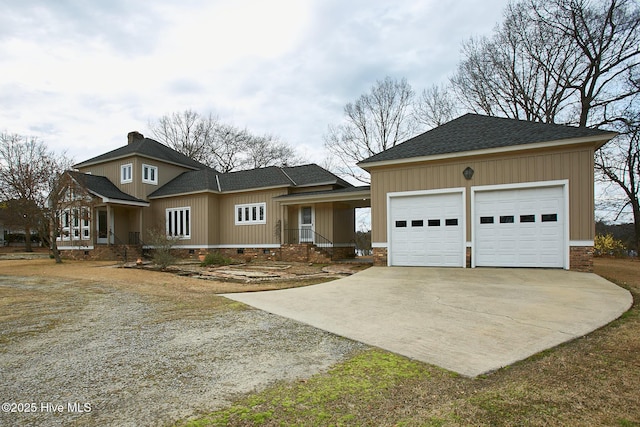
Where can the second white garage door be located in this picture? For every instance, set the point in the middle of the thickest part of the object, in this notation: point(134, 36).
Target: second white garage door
point(519, 228)
point(427, 230)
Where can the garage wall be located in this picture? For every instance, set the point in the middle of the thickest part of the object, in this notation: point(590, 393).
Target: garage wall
point(573, 163)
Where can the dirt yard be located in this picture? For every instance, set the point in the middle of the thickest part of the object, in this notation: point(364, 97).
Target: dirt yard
point(86, 343)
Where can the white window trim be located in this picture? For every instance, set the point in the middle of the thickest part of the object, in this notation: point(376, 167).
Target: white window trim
point(250, 213)
point(123, 179)
point(74, 225)
point(150, 168)
point(175, 215)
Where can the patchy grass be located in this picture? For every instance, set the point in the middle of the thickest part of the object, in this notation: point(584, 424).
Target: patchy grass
point(591, 381)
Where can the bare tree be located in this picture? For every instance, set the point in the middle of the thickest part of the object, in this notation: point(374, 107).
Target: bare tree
point(26, 167)
point(227, 147)
point(522, 72)
point(435, 106)
point(187, 132)
point(618, 164)
point(554, 61)
point(267, 150)
point(221, 146)
point(376, 121)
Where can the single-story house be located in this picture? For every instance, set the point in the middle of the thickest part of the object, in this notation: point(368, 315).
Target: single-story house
point(477, 191)
point(296, 213)
point(486, 191)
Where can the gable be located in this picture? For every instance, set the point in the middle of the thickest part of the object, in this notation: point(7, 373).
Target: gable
point(101, 187)
point(145, 147)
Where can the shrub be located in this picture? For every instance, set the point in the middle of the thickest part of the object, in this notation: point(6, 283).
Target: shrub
point(215, 258)
point(608, 245)
point(162, 245)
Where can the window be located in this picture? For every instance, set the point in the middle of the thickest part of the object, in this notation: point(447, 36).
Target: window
point(527, 218)
point(179, 222)
point(126, 173)
point(507, 219)
point(451, 221)
point(75, 224)
point(150, 174)
point(433, 223)
point(486, 220)
point(417, 223)
point(550, 218)
point(254, 213)
point(401, 224)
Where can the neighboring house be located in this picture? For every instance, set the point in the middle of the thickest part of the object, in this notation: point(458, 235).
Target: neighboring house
point(273, 212)
point(486, 191)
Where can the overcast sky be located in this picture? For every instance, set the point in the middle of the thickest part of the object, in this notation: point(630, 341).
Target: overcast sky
point(80, 75)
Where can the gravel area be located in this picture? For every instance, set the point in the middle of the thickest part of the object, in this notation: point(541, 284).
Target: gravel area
point(86, 353)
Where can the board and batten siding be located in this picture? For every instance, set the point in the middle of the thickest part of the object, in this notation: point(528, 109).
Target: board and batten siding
point(201, 221)
point(249, 234)
point(136, 188)
point(344, 223)
point(572, 163)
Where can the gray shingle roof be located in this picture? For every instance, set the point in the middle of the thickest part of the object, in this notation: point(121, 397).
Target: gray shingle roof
point(145, 147)
point(102, 187)
point(211, 180)
point(313, 174)
point(476, 132)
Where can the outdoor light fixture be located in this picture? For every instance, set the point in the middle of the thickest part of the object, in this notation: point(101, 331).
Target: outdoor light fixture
point(468, 173)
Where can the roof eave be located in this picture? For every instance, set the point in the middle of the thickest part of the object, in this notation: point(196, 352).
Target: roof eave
point(320, 198)
point(208, 190)
point(134, 154)
point(184, 193)
point(597, 140)
point(112, 200)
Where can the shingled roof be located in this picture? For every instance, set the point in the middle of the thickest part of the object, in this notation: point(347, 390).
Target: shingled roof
point(473, 132)
point(272, 176)
point(100, 186)
point(146, 147)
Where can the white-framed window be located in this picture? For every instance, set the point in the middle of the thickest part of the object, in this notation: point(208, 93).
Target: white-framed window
point(75, 224)
point(179, 222)
point(85, 224)
point(254, 213)
point(150, 174)
point(126, 173)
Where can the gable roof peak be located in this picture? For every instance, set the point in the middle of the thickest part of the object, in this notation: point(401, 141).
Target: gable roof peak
point(138, 144)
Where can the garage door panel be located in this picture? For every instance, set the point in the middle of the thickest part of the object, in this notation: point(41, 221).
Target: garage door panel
point(527, 228)
point(426, 239)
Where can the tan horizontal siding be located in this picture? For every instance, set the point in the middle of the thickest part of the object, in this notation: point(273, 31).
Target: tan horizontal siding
point(574, 164)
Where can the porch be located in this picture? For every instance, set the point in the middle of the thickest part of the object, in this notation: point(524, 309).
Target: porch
point(322, 222)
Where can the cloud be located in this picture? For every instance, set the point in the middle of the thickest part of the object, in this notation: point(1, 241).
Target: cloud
point(86, 73)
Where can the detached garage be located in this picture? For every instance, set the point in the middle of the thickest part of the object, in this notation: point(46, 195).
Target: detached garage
point(484, 191)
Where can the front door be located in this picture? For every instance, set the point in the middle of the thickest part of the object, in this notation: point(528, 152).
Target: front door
point(102, 227)
point(306, 224)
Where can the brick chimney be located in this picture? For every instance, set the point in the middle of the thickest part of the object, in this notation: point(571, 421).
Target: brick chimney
point(133, 136)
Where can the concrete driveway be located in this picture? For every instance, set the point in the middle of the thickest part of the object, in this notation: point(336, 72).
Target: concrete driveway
point(470, 321)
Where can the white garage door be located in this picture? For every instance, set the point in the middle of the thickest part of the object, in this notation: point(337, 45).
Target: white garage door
point(519, 228)
point(427, 230)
